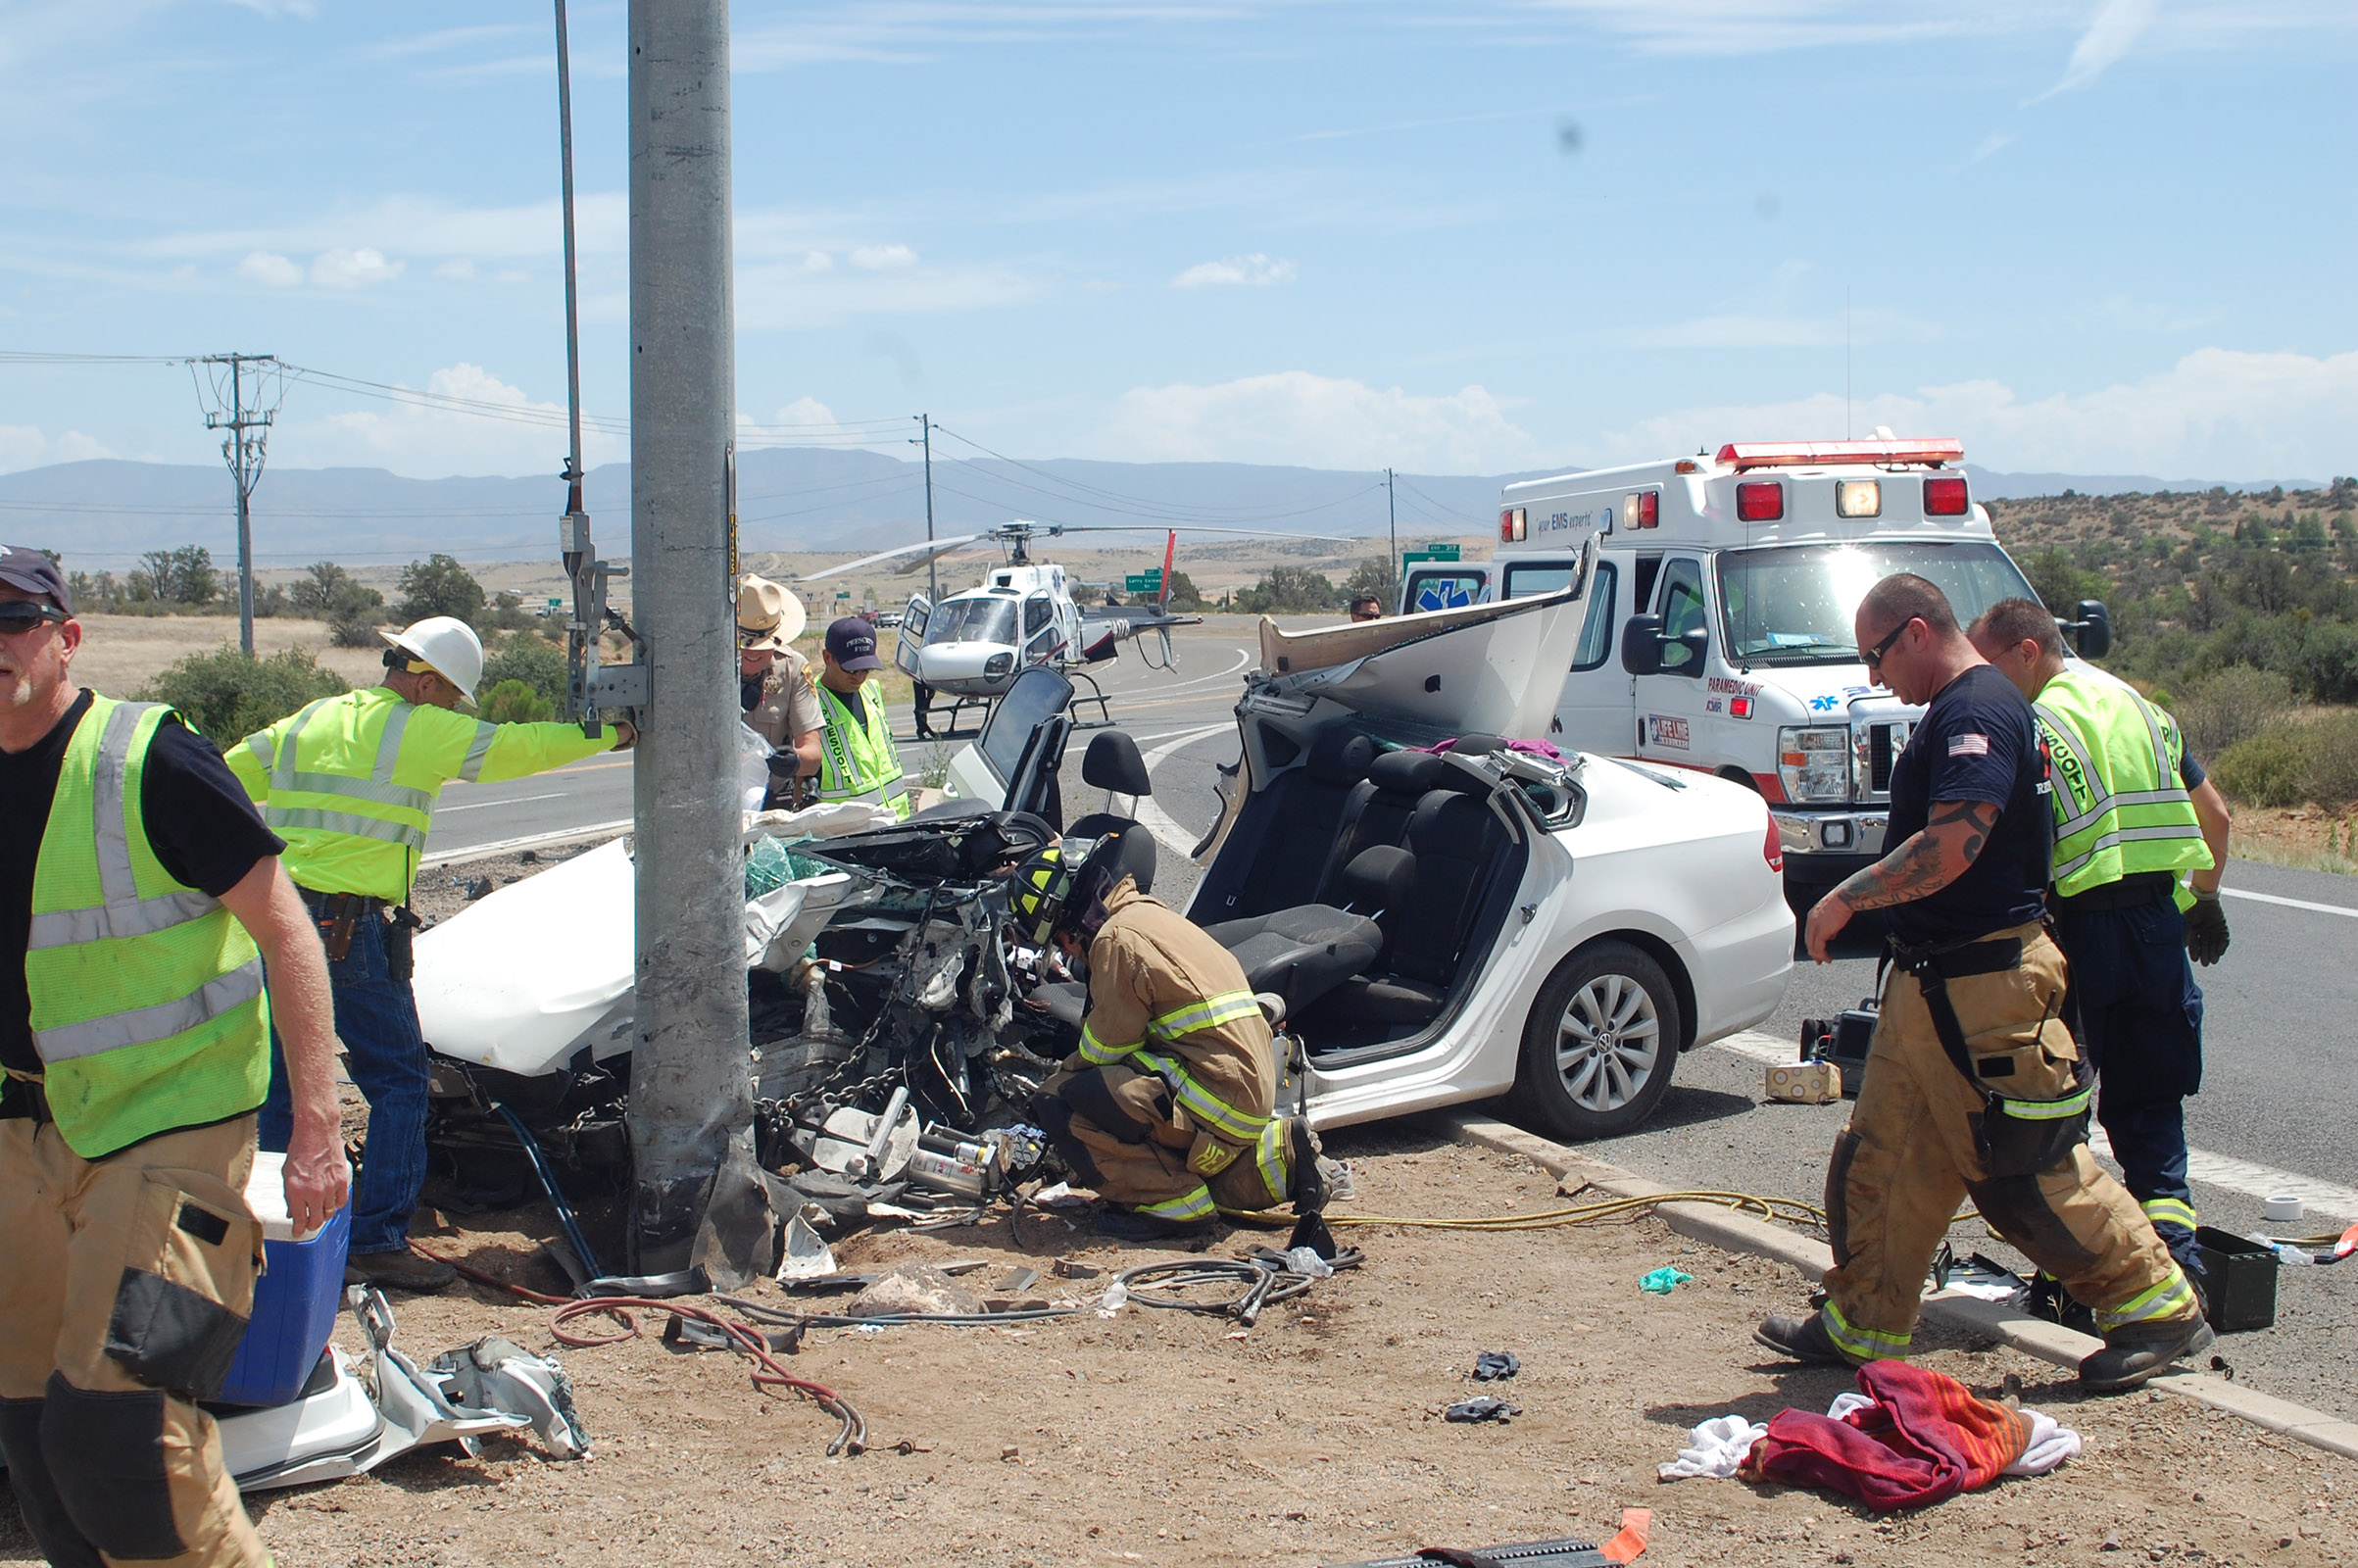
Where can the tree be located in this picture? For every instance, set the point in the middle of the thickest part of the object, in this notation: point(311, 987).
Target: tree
point(537, 665)
point(1184, 594)
point(229, 694)
point(514, 701)
point(439, 586)
point(327, 592)
point(182, 576)
point(1290, 590)
point(1372, 575)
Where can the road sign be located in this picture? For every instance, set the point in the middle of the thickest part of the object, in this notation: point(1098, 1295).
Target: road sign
point(1429, 553)
point(1143, 582)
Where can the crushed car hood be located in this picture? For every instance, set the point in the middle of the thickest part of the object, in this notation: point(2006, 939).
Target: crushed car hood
point(1493, 668)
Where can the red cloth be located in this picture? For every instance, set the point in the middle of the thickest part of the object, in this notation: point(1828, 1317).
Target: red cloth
point(1923, 1440)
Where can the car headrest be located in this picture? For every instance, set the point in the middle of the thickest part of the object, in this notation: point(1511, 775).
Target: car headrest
point(1379, 878)
point(1112, 762)
point(1448, 823)
point(1476, 744)
point(1408, 772)
point(1339, 756)
point(1125, 849)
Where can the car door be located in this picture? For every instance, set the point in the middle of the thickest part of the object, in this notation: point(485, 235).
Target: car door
point(1670, 705)
point(911, 636)
point(1042, 635)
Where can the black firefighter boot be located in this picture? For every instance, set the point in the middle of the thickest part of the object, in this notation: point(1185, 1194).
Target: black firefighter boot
point(2135, 1352)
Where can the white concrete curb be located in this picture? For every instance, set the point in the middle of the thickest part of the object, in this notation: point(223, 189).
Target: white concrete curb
point(530, 841)
point(1733, 1232)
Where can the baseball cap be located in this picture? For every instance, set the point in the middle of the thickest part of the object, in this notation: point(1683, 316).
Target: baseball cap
point(21, 567)
point(853, 642)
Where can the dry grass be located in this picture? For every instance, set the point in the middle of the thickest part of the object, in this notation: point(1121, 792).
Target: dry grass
point(120, 654)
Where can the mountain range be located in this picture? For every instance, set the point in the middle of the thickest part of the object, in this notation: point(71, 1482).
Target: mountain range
point(103, 514)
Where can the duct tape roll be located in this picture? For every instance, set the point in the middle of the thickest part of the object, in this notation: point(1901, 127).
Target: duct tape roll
point(2282, 1208)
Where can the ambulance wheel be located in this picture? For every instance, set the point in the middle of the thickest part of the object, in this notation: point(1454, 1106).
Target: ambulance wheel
point(1602, 1040)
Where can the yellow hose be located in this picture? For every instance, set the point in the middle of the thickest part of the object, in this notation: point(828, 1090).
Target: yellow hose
point(1784, 1208)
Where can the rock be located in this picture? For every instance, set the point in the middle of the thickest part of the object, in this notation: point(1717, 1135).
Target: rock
point(916, 1288)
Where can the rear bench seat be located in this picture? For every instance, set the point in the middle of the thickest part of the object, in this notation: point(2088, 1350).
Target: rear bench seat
point(1456, 840)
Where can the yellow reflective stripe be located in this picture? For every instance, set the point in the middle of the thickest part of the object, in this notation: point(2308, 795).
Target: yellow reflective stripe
point(2168, 1298)
point(140, 1026)
point(1098, 1053)
point(366, 827)
point(2050, 1109)
point(1270, 1156)
point(1196, 1205)
point(2170, 1211)
point(2126, 835)
point(1209, 1014)
point(259, 743)
point(357, 788)
point(1864, 1345)
point(1208, 1108)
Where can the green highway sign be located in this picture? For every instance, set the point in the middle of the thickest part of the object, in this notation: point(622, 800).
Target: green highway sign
point(1144, 582)
point(1429, 553)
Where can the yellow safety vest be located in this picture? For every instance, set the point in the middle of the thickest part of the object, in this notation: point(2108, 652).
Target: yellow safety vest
point(858, 760)
point(147, 998)
point(2120, 808)
point(350, 782)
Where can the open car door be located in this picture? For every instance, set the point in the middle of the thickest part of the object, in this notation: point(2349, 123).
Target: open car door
point(912, 634)
point(1003, 766)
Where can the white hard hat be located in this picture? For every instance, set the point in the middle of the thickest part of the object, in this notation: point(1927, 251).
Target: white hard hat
point(447, 643)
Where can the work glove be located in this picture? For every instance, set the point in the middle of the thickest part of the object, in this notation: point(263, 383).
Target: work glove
point(2206, 930)
point(783, 764)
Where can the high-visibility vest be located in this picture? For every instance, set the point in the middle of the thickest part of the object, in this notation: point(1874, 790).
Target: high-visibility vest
point(2120, 807)
point(147, 1000)
point(350, 782)
point(857, 759)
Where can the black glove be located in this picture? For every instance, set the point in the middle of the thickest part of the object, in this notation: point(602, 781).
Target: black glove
point(783, 764)
point(2207, 931)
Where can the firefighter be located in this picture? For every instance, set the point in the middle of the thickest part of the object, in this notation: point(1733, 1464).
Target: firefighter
point(1168, 1108)
point(1974, 1086)
point(774, 688)
point(350, 783)
point(858, 760)
point(2132, 812)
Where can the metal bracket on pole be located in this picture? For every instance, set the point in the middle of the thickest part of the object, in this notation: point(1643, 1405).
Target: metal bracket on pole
point(593, 689)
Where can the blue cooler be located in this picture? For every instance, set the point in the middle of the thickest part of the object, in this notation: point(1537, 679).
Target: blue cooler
point(295, 1301)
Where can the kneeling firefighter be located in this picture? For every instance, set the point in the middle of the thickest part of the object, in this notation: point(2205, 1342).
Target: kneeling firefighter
point(1167, 1107)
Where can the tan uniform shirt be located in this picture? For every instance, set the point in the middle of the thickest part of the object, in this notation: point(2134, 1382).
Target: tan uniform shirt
point(789, 706)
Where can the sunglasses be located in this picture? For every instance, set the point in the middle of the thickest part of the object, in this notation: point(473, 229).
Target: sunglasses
point(1873, 656)
point(20, 615)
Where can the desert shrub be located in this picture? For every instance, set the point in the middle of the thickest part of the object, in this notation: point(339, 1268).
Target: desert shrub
point(2329, 759)
point(532, 660)
point(227, 695)
point(2229, 706)
point(2265, 769)
point(439, 586)
point(354, 631)
point(516, 701)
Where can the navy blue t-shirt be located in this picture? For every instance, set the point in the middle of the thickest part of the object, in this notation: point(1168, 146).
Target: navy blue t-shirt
point(1977, 742)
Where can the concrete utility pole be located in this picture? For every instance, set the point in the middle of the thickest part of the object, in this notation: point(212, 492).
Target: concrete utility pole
point(234, 412)
point(933, 586)
point(690, 1091)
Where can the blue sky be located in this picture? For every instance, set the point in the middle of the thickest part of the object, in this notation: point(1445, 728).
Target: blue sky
point(2096, 237)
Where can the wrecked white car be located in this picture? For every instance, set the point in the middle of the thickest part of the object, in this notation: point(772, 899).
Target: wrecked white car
point(1447, 915)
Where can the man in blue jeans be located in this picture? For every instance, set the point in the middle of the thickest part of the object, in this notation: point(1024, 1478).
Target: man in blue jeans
point(350, 784)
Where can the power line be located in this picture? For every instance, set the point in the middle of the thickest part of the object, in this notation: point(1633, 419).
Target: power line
point(244, 453)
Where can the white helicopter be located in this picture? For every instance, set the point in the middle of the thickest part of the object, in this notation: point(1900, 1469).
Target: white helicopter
point(971, 645)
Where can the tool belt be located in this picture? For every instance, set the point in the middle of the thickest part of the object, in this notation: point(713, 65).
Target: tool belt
point(2138, 889)
point(2011, 1137)
point(338, 913)
point(22, 1098)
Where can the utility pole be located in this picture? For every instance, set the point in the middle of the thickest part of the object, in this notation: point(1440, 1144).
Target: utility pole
point(933, 586)
point(1392, 570)
point(691, 1093)
point(231, 411)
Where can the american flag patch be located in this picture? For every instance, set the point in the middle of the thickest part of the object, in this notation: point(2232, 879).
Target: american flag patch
point(1969, 746)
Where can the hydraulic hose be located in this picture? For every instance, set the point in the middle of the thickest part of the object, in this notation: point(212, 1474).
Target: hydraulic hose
point(1783, 1208)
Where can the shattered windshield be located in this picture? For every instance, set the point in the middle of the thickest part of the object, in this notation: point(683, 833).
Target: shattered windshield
point(973, 620)
point(1792, 604)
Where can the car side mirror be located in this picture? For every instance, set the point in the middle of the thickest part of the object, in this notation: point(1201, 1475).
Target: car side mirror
point(1641, 645)
point(2092, 630)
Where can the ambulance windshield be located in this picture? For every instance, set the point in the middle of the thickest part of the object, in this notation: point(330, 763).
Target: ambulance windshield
point(1792, 604)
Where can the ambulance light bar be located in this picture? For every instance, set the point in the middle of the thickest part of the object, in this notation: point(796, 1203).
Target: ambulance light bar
point(1743, 455)
point(1513, 523)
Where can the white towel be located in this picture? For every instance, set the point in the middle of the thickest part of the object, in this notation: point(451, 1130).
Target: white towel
point(1715, 1448)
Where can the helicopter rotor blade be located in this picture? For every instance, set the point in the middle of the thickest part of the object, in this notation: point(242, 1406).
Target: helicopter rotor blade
point(927, 549)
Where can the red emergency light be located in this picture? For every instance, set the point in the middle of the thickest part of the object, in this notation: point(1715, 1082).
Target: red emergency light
point(1643, 509)
point(1946, 497)
point(1510, 525)
point(1761, 500)
point(1743, 455)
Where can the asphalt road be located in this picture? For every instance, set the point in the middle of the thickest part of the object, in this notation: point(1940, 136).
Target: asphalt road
point(2280, 1084)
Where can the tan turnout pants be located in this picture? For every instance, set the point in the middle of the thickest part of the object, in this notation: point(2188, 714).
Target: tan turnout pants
point(125, 1287)
point(1141, 1147)
point(1910, 1157)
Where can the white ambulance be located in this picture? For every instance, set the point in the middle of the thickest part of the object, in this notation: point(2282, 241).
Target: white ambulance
point(1718, 636)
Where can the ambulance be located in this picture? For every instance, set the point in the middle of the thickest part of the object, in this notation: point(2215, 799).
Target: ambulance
point(1718, 633)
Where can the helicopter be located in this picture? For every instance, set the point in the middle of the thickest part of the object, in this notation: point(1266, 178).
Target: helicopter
point(971, 645)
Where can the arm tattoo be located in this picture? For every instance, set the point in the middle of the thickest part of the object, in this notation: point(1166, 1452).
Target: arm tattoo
point(1954, 837)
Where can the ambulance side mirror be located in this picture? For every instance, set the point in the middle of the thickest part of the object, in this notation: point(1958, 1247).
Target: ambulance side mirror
point(2092, 630)
point(1641, 645)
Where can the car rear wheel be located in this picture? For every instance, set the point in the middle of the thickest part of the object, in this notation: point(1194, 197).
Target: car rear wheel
point(1600, 1044)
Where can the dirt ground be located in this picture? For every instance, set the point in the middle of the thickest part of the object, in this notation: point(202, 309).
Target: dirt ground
point(120, 654)
point(1317, 1438)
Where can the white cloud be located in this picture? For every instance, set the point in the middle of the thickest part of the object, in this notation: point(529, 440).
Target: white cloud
point(269, 269)
point(457, 267)
point(2217, 414)
point(817, 262)
point(804, 411)
point(883, 258)
point(1256, 270)
point(520, 434)
point(354, 269)
point(2110, 36)
point(25, 446)
point(1322, 421)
